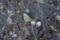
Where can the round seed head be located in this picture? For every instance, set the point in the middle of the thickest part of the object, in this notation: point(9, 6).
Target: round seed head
point(38, 24)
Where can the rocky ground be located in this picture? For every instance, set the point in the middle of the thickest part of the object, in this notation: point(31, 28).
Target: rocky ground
point(29, 20)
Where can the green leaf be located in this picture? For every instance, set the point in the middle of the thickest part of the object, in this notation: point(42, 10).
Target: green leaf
point(26, 17)
point(54, 29)
point(52, 38)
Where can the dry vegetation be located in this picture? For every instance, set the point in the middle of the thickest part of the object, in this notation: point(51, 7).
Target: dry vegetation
point(30, 20)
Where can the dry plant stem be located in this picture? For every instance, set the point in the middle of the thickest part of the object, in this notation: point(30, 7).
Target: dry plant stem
point(33, 32)
point(42, 20)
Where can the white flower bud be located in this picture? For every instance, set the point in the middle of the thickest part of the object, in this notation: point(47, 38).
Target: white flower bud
point(33, 22)
point(27, 10)
point(38, 24)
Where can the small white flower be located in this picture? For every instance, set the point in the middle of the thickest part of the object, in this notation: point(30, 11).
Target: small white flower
point(38, 24)
point(9, 20)
point(27, 10)
point(14, 35)
point(33, 22)
point(9, 11)
point(11, 33)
